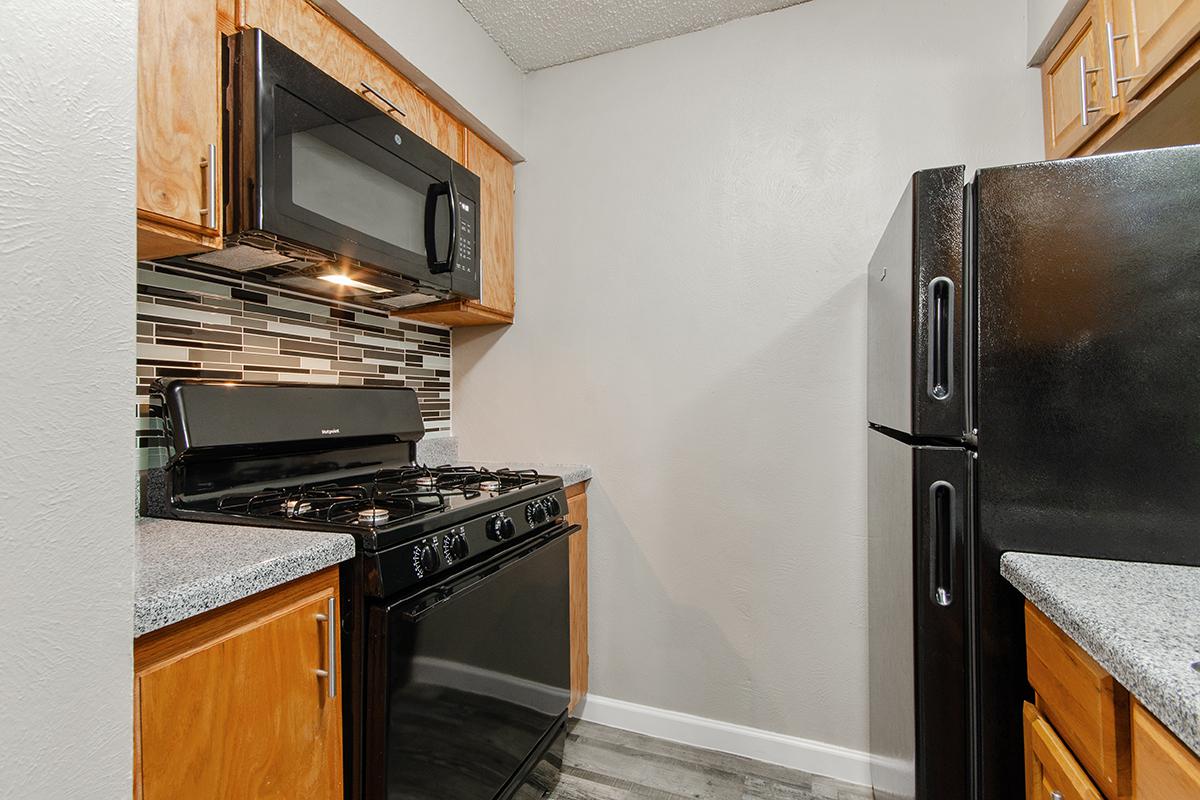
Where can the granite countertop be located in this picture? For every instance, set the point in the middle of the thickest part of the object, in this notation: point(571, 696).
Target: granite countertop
point(1141, 622)
point(571, 474)
point(444, 450)
point(184, 568)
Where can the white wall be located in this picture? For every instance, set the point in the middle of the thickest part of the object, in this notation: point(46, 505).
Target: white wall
point(67, 87)
point(693, 228)
point(438, 45)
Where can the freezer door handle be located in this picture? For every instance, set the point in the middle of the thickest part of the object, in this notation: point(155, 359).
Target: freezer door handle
point(943, 527)
point(940, 381)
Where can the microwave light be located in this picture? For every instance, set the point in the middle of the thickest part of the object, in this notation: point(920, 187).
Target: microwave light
point(345, 280)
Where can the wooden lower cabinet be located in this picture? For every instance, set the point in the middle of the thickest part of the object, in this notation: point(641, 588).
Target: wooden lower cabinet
point(235, 703)
point(1086, 706)
point(1051, 772)
point(1086, 738)
point(1163, 767)
point(578, 570)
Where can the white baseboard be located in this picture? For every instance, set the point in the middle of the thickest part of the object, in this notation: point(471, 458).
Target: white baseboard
point(818, 758)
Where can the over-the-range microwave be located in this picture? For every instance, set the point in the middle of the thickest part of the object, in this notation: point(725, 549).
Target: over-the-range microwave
point(326, 192)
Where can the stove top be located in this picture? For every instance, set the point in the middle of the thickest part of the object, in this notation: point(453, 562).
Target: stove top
point(336, 458)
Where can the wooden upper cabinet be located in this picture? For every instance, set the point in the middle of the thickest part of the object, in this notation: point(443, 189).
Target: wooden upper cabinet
point(1076, 100)
point(178, 127)
point(1156, 31)
point(496, 225)
point(497, 302)
point(231, 704)
point(320, 40)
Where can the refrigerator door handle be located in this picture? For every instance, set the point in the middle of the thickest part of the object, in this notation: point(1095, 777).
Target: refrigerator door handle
point(940, 380)
point(943, 526)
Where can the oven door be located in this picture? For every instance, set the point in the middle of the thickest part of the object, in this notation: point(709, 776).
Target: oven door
point(322, 167)
point(467, 678)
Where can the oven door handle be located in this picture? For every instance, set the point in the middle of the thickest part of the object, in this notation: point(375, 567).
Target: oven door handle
point(435, 192)
point(482, 575)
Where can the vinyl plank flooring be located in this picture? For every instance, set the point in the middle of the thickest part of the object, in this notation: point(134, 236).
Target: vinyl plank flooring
point(601, 763)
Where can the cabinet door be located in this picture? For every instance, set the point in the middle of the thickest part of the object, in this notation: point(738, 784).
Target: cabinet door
point(496, 225)
point(320, 40)
point(243, 713)
point(1163, 767)
point(1051, 772)
point(1076, 101)
point(578, 575)
point(179, 117)
point(1158, 30)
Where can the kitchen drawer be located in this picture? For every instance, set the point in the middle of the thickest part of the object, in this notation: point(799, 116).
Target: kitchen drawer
point(1163, 768)
point(1087, 707)
point(1051, 772)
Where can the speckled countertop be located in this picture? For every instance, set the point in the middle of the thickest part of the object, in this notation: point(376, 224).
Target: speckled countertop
point(184, 568)
point(444, 450)
point(570, 473)
point(1141, 622)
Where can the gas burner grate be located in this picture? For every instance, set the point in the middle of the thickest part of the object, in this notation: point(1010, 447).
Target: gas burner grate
point(370, 505)
point(462, 479)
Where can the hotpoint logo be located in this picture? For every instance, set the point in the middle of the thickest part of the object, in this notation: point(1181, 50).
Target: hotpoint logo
point(330, 431)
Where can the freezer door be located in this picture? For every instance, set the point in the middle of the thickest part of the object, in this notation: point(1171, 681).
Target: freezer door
point(919, 501)
point(1088, 385)
point(915, 311)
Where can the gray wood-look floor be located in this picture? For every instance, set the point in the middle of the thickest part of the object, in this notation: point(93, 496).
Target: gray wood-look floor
point(601, 763)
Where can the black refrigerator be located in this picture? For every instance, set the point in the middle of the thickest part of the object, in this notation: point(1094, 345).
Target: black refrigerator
point(1033, 385)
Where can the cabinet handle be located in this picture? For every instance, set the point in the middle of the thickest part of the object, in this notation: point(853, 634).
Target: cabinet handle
point(330, 673)
point(209, 165)
point(369, 89)
point(1084, 108)
point(1114, 81)
point(1056, 796)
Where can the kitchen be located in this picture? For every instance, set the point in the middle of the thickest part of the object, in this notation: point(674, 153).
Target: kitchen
point(674, 226)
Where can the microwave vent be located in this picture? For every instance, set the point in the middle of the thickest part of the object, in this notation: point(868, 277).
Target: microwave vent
point(242, 258)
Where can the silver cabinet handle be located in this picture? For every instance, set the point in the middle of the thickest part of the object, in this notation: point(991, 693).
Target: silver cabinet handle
point(1113, 80)
point(1084, 108)
point(369, 89)
point(209, 165)
point(330, 672)
point(1056, 796)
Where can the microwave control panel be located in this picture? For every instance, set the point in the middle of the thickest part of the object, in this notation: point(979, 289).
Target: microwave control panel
point(466, 251)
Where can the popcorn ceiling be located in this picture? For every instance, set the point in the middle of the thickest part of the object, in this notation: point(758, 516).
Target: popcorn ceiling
point(542, 33)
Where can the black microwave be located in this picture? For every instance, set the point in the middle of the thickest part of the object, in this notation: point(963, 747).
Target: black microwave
point(326, 192)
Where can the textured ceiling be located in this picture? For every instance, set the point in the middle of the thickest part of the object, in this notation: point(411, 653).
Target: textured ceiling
point(542, 33)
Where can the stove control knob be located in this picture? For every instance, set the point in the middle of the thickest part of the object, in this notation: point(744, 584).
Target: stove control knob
point(458, 548)
point(429, 559)
point(553, 507)
point(535, 513)
point(500, 528)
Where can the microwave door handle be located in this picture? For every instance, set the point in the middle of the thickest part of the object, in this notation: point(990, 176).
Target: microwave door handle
point(436, 191)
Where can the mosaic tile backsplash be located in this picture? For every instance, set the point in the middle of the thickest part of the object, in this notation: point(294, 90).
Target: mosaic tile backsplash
point(194, 325)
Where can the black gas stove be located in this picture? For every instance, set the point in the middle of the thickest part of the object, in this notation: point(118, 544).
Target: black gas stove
point(455, 613)
point(247, 453)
